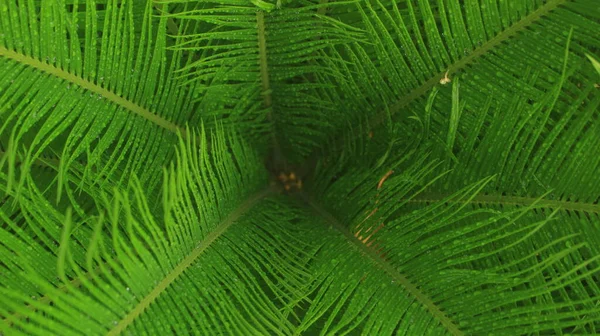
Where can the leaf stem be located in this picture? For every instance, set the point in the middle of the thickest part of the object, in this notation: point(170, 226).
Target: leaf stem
point(510, 200)
point(266, 88)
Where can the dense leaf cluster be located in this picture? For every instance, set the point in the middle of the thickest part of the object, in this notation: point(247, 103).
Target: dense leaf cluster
point(299, 167)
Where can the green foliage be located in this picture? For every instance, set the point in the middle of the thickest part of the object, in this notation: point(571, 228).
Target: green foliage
point(445, 158)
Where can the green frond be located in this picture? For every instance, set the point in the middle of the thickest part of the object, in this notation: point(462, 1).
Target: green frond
point(83, 79)
point(499, 51)
point(132, 256)
point(275, 66)
point(452, 265)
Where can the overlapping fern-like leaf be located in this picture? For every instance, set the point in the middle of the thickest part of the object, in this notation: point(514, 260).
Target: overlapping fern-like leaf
point(211, 262)
point(88, 82)
point(456, 265)
point(272, 66)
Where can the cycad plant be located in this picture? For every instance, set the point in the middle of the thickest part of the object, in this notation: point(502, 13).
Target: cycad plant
point(299, 167)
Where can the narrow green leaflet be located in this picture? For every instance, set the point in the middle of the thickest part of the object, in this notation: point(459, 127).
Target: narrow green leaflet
point(595, 62)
